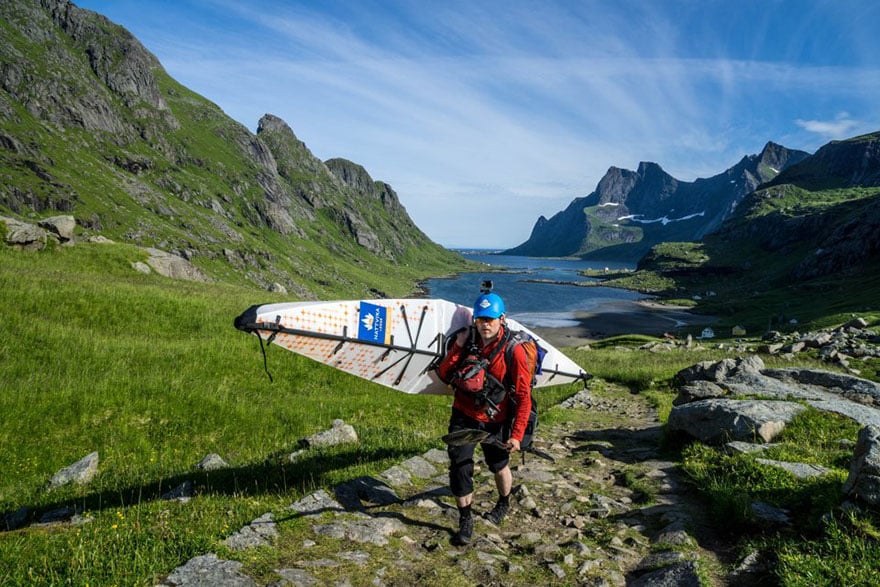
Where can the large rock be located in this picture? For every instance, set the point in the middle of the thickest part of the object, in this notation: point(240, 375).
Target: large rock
point(722, 420)
point(80, 472)
point(339, 433)
point(206, 570)
point(172, 266)
point(848, 386)
point(60, 226)
point(863, 482)
point(718, 371)
point(697, 390)
point(24, 236)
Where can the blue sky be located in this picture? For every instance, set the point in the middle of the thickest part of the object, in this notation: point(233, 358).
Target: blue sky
point(484, 115)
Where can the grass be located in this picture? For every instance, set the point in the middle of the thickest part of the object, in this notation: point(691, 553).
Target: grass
point(827, 544)
point(151, 374)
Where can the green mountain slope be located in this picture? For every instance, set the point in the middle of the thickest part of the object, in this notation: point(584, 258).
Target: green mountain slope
point(802, 247)
point(91, 125)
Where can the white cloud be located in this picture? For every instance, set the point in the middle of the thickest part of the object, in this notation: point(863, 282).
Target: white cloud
point(841, 127)
point(470, 107)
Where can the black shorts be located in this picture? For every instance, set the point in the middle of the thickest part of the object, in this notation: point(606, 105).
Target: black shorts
point(461, 458)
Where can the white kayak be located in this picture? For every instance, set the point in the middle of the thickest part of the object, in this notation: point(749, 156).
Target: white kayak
point(394, 342)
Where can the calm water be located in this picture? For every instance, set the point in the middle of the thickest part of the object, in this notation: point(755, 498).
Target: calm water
point(533, 304)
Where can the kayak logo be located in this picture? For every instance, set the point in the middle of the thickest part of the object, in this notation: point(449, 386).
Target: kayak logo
point(367, 321)
point(485, 304)
point(373, 323)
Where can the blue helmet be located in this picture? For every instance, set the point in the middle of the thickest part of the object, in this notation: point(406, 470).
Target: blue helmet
point(488, 306)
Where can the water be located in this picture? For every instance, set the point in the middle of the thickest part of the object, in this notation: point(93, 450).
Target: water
point(535, 305)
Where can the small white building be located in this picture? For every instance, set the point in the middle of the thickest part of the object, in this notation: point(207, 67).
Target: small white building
point(708, 333)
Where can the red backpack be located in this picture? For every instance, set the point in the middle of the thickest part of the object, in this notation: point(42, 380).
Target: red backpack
point(471, 375)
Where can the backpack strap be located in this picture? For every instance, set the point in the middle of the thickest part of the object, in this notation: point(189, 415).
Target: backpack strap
point(520, 337)
point(493, 391)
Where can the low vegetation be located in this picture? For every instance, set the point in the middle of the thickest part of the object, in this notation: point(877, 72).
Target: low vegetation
point(150, 373)
point(828, 542)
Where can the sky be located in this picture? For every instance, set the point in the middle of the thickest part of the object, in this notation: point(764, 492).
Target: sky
point(485, 115)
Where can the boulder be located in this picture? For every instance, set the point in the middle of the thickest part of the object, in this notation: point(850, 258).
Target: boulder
point(722, 420)
point(208, 569)
point(24, 236)
point(60, 226)
point(340, 433)
point(799, 470)
point(832, 382)
point(683, 574)
point(173, 266)
point(863, 483)
point(211, 462)
point(718, 371)
point(80, 472)
point(697, 390)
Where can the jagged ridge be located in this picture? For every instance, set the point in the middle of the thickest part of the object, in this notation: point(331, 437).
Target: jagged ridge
point(630, 211)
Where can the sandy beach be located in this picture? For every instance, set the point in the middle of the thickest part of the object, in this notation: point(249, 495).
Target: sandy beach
point(623, 317)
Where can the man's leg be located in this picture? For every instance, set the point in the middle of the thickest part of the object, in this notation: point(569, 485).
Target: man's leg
point(461, 471)
point(504, 483)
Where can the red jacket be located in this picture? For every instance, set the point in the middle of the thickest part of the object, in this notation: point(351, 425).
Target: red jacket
point(522, 381)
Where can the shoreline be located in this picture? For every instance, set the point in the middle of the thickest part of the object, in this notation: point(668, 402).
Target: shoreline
point(623, 317)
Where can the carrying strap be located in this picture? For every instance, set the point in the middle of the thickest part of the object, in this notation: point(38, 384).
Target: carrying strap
point(470, 349)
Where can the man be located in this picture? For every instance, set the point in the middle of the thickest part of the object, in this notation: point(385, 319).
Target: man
point(490, 395)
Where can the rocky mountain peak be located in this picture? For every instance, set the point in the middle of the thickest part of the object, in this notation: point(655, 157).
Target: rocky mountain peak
point(651, 206)
point(272, 123)
point(615, 185)
point(839, 164)
point(292, 155)
point(351, 174)
point(68, 38)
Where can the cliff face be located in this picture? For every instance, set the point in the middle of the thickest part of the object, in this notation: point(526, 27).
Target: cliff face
point(630, 211)
point(823, 213)
point(92, 125)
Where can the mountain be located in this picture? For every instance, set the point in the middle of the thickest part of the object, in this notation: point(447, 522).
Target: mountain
point(802, 246)
point(822, 214)
point(630, 211)
point(91, 125)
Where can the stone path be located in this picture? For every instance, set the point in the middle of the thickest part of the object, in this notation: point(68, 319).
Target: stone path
point(611, 510)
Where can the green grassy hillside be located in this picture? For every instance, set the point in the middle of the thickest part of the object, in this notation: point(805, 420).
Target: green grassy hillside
point(150, 373)
point(92, 126)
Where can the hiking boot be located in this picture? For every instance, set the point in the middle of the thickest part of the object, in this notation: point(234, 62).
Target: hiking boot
point(499, 512)
point(465, 531)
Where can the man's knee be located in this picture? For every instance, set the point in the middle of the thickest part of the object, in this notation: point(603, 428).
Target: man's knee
point(461, 477)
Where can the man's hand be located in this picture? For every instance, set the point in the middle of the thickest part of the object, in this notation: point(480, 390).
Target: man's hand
point(512, 445)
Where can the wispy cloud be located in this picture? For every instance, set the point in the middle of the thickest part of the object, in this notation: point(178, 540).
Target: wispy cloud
point(841, 127)
point(497, 107)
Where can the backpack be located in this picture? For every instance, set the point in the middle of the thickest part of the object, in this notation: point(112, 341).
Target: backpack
point(534, 356)
point(471, 375)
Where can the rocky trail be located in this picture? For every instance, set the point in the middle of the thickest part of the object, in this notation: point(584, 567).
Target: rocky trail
point(611, 510)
